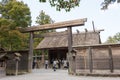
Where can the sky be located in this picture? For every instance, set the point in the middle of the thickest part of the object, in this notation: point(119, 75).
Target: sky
point(109, 20)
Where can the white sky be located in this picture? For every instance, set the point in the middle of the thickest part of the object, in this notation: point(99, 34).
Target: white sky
point(108, 20)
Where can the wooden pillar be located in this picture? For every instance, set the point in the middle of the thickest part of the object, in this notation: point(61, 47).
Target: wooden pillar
point(90, 60)
point(110, 59)
point(70, 59)
point(30, 61)
point(70, 42)
point(43, 58)
point(99, 38)
point(16, 70)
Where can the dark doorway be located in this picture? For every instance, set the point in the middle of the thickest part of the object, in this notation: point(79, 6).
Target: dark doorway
point(57, 54)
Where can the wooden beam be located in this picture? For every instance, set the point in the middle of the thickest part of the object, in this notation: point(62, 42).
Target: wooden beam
point(90, 60)
point(98, 45)
point(78, 22)
point(110, 59)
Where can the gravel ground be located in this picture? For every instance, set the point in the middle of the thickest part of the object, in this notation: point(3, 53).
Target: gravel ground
point(49, 74)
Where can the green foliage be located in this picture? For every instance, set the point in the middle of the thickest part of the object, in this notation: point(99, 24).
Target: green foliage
point(9, 38)
point(106, 3)
point(114, 39)
point(63, 4)
point(16, 11)
point(67, 5)
point(42, 19)
point(14, 14)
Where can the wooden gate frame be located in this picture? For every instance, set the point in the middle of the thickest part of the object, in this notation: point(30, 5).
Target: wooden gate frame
point(65, 24)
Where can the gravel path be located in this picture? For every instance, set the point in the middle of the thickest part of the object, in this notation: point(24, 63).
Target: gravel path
point(49, 74)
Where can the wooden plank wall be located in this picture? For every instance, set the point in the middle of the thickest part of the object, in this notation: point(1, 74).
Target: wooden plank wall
point(23, 63)
point(98, 58)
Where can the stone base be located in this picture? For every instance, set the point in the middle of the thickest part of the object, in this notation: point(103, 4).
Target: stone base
point(103, 73)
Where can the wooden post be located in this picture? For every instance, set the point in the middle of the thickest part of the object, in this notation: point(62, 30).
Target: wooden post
point(30, 61)
point(16, 70)
point(71, 61)
point(85, 62)
point(110, 59)
point(70, 39)
point(90, 60)
point(43, 58)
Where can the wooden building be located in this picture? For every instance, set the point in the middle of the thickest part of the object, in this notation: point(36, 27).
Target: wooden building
point(83, 44)
point(57, 42)
point(9, 60)
point(65, 24)
point(97, 59)
point(91, 58)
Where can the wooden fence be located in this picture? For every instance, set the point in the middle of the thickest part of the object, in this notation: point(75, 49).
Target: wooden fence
point(93, 58)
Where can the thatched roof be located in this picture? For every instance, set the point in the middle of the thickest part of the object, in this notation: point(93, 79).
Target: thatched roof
point(61, 41)
point(2, 55)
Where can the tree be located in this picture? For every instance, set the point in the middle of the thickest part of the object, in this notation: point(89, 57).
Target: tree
point(16, 11)
point(14, 14)
point(10, 39)
point(106, 3)
point(63, 4)
point(69, 4)
point(42, 19)
point(114, 39)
